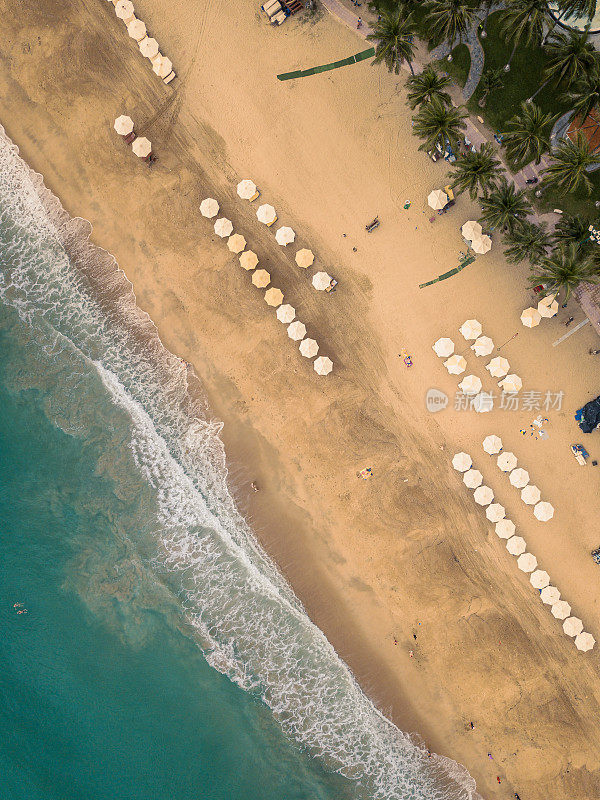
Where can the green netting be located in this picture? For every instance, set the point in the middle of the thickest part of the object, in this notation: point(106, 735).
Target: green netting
point(464, 263)
point(344, 62)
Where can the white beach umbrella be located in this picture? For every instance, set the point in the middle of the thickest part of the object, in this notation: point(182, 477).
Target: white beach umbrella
point(584, 642)
point(483, 346)
point(149, 47)
point(519, 478)
point(530, 494)
point(471, 230)
point(321, 280)
point(136, 29)
point(516, 545)
point(482, 244)
point(462, 462)
point(248, 260)
point(505, 528)
point(527, 562)
point(209, 207)
point(471, 329)
point(323, 365)
point(236, 243)
point(273, 297)
point(437, 199)
point(297, 331)
point(123, 125)
point(456, 365)
point(246, 189)
point(223, 227)
point(498, 367)
point(472, 478)
point(266, 214)
point(124, 10)
point(506, 461)
point(444, 347)
point(142, 147)
point(492, 444)
point(495, 512)
point(305, 258)
point(161, 65)
point(261, 278)
point(539, 579)
point(550, 596)
point(482, 402)
point(483, 496)
point(560, 609)
point(286, 313)
point(548, 307)
point(511, 384)
point(285, 235)
point(531, 317)
point(543, 511)
point(309, 348)
point(572, 626)
point(470, 385)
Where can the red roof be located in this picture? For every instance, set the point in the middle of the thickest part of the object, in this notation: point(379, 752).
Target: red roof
point(589, 129)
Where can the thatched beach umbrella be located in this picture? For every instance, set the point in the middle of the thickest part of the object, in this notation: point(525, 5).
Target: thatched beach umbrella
point(124, 10)
point(266, 214)
point(530, 494)
point(584, 642)
point(246, 189)
point(472, 478)
point(505, 528)
point(481, 245)
point(471, 230)
point(561, 609)
point(550, 595)
point(304, 258)
point(462, 462)
point(492, 444)
point(248, 260)
point(444, 347)
point(548, 307)
point(273, 297)
point(209, 207)
point(149, 47)
point(309, 348)
point(483, 496)
point(543, 511)
point(471, 329)
point(456, 364)
point(531, 317)
point(437, 199)
point(572, 626)
point(539, 579)
point(516, 545)
point(223, 227)
point(285, 235)
point(321, 281)
point(527, 562)
point(470, 385)
point(236, 243)
point(261, 278)
point(296, 331)
point(323, 365)
point(498, 367)
point(483, 346)
point(511, 384)
point(123, 125)
point(495, 512)
point(506, 461)
point(162, 66)
point(519, 478)
point(286, 313)
point(142, 147)
point(136, 29)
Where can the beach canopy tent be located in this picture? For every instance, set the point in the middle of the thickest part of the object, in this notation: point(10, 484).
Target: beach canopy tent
point(304, 258)
point(492, 444)
point(498, 367)
point(482, 402)
point(309, 348)
point(511, 384)
point(482, 244)
point(470, 385)
point(123, 125)
point(444, 347)
point(285, 235)
point(124, 10)
point(273, 297)
point(471, 329)
point(505, 528)
point(482, 346)
point(296, 331)
point(472, 478)
point(539, 579)
point(236, 243)
point(266, 214)
point(519, 478)
point(438, 199)
point(462, 462)
point(471, 230)
point(572, 626)
point(321, 281)
point(209, 207)
point(323, 365)
point(584, 642)
point(516, 545)
point(162, 66)
point(261, 278)
point(223, 227)
point(483, 495)
point(495, 512)
point(149, 47)
point(506, 461)
point(247, 190)
point(286, 313)
point(550, 596)
point(589, 416)
point(248, 260)
point(142, 147)
point(530, 495)
point(527, 562)
point(543, 511)
point(136, 29)
point(531, 317)
point(456, 364)
point(548, 307)
point(561, 609)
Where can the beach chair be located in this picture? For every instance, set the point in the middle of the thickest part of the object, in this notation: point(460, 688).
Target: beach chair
point(278, 18)
point(171, 76)
point(580, 453)
point(271, 8)
point(293, 6)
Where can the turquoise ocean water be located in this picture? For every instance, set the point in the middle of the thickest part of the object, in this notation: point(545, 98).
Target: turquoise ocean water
point(162, 655)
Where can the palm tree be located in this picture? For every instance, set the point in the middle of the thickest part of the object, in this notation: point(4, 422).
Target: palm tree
point(564, 270)
point(505, 207)
point(571, 57)
point(394, 40)
point(528, 135)
point(585, 95)
point(523, 23)
point(527, 241)
point(437, 124)
point(447, 20)
point(487, 4)
point(424, 87)
point(479, 171)
point(569, 167)
point(577, 8)
point(573, 230)
point(490, 80)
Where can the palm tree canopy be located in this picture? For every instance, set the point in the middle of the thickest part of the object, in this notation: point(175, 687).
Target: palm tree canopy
point(523, 20)
point(447, 20)
point(568, 169)
point(491, 79)
point(528, 134)
point(578, 8)
point(478, 171)
point(574, 230)
point(585, 95)
point(394, 36)
point(437, 124)
point(505, 206)
point(564, 270)
point(571, 56)
point(527, 241)
point(424, 87)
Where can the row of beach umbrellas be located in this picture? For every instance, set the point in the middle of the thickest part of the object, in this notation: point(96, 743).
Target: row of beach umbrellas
point(516, 546)
point(473, 233)
point(248, 259)
point(141, 146)
point(161, 65)
point(547, 307)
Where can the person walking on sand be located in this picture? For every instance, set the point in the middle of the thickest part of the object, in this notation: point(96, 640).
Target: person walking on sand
point(359, 23)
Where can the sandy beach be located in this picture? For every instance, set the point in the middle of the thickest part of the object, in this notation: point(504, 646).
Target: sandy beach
point(403, 572)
